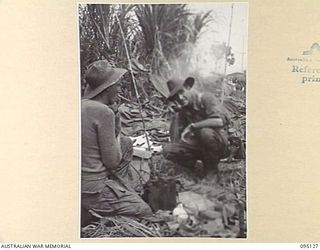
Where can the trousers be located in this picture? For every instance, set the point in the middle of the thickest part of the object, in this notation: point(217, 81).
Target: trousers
point(211, 146)
point(110, 197)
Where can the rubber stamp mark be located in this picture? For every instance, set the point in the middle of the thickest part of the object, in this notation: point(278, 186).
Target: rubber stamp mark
point(314, 49)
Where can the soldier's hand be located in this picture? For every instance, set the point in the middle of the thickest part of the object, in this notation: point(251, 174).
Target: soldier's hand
point(188, 134)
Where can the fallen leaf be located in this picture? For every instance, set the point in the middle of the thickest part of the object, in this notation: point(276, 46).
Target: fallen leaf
point(194, 200)
point(213, 227)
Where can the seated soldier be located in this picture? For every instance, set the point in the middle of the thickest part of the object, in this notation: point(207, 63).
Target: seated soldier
point(198, 129)
point(105, 154)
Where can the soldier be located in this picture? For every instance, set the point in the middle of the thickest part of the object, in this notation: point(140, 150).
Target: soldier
point(198, 130)
point(104, 153)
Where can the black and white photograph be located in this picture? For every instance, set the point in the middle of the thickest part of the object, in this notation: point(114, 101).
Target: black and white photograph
point(163, 120)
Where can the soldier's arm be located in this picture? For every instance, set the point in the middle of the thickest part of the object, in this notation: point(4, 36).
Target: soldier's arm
point(109, 146)
point(215, 117)
point(208, 123)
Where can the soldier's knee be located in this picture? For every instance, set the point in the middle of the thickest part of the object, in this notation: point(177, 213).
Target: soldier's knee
point(126, 145)
point(205, 132)
point(207, 135)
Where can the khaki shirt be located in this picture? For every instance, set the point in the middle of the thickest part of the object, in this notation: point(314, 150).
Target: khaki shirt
point(204, 106)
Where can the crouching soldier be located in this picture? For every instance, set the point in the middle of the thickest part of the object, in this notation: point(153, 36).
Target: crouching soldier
point(198, 129)
point(104, 153)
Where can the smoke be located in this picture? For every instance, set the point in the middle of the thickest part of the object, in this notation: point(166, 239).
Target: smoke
point(203, 61)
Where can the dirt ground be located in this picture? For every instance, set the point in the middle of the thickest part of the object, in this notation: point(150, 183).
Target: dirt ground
point(185, 204)
point(200, 207)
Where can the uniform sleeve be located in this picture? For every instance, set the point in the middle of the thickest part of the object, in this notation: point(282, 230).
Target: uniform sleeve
point(109, 146)
point(213, 109)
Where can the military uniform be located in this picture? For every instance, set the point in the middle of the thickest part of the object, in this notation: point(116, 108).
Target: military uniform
point(210, 144)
